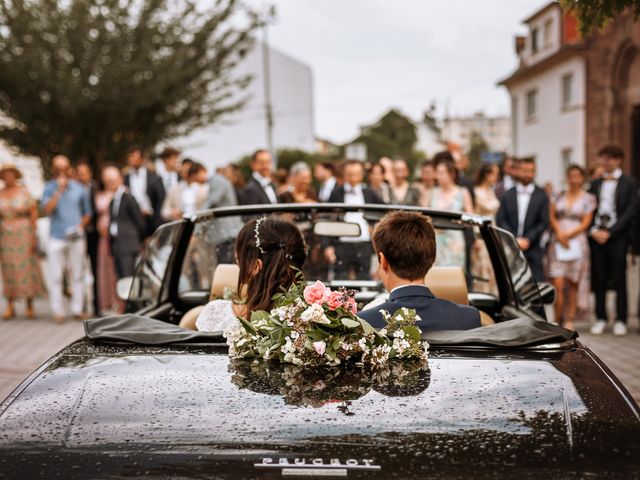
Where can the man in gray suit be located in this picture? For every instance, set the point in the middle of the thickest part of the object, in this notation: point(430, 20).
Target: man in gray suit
point(405, 243)
point(222, 194)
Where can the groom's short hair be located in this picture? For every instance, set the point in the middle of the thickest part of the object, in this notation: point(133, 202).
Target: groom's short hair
point(408, 242)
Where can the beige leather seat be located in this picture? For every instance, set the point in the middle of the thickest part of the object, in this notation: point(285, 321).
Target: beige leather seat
point(450, 283)
point(225, 277)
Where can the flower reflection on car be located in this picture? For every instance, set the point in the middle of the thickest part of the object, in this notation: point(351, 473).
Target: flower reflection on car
point(315, 387)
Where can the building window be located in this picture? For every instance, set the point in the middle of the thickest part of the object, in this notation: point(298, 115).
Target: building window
point(567, 90)
point(534, 40)
point(532, 104)
point(567, 158)
point(548, 33)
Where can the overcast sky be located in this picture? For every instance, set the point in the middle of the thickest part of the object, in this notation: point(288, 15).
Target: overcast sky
point(370, 55)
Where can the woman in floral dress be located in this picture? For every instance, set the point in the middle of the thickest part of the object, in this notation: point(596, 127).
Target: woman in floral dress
point(568, 256)
point(487, 205)
point(450, 244)
point(107, 296)
point(21, 275)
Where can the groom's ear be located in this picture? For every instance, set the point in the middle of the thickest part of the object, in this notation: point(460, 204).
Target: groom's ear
point(384, 264)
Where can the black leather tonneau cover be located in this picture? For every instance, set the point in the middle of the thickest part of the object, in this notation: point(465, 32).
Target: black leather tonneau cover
point(516, 333)
point(136, 329)
point(141, 330)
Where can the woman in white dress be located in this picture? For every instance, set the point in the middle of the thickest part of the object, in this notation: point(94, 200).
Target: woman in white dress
point(269, 252)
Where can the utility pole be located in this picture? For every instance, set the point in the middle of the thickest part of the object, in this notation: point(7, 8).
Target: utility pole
point(268, 110)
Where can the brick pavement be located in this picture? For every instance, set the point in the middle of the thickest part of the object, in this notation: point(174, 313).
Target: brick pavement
point(25, 344)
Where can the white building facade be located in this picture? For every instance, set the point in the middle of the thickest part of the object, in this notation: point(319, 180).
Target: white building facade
point(496, 131)
point(291, 91)
point(548, 95)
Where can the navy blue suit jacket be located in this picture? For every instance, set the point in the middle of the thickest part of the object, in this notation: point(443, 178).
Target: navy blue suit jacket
point(435, 313)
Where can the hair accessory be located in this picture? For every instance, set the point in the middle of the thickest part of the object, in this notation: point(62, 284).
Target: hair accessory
point(256, 231)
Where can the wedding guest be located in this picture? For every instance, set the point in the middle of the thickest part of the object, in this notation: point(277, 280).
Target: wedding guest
point(524, 211)
point(487, 205)
point(146, 187)
point(85, 177)
point(280, 178)
point(260, 189)
point(351, 256)
point(108, 301)
point(449, 196)
point(570, 217)
point(21, 275)
point(509, 176)
point(167, 168)
point(233, 173)
point(387, 163)
point(402, 192)
point(127, 225)
point(377, 183)
point(187, 197)
point(299, 190)
point(324, 174)
point(223, 194)
point(427, 182)
point(185, 165)
point(609, 237)
point(68, 207)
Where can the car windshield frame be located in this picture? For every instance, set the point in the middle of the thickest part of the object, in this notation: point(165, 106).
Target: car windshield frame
point(440, 219)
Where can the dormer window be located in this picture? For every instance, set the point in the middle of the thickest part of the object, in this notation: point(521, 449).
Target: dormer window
point(535, 40)
point(548, 33)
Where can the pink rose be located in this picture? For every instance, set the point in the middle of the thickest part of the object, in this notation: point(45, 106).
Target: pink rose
point(351, 305)
point(335, 300)
point(316, 293)
point(319, 347)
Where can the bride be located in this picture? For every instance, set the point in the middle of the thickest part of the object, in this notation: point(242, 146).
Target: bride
point(268, 252)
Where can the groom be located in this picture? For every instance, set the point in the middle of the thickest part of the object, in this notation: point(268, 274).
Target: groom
point(405, 244)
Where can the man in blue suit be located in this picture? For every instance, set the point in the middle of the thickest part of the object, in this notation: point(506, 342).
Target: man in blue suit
point(405, 244)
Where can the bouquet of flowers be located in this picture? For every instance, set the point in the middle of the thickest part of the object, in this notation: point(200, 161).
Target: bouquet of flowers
point(313, 325)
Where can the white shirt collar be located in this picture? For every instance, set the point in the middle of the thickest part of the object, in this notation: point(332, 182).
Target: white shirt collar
point(525, 189)
point(405, 286)
point(264, 182)
point(617, 173)
point(357, 190)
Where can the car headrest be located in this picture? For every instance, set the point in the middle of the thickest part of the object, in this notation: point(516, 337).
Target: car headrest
point(225, 277)
point(449, 283)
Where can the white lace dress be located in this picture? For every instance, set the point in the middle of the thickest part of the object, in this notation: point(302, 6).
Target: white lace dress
point(217, 316)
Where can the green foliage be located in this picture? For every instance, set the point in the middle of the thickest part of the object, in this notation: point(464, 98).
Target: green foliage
point(477, 146)
point(394, 135)
point(596, 13)
point(88, 78)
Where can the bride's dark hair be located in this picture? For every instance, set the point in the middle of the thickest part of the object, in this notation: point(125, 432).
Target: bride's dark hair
point(280, 246)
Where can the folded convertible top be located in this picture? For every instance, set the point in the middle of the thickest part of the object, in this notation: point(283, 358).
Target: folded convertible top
point(139, 330)
point(516, 333)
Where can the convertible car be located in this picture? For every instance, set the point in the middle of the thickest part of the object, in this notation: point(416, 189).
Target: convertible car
point(145, 395)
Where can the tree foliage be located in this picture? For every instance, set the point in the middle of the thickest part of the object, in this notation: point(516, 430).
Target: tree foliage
point(88, 78)
point(477, 147)
point(596, 13)
point(394, 135)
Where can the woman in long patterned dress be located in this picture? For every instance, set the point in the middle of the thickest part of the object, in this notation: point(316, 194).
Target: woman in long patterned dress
point(487, 205)
point(568, 256)
point(450, 244)
point(107, 296)
point(21, 274)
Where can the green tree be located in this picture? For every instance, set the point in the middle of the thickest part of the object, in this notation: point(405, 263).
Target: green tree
point(394, 135)
point(477, 147)
point(596, 13)
point(87, 78)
